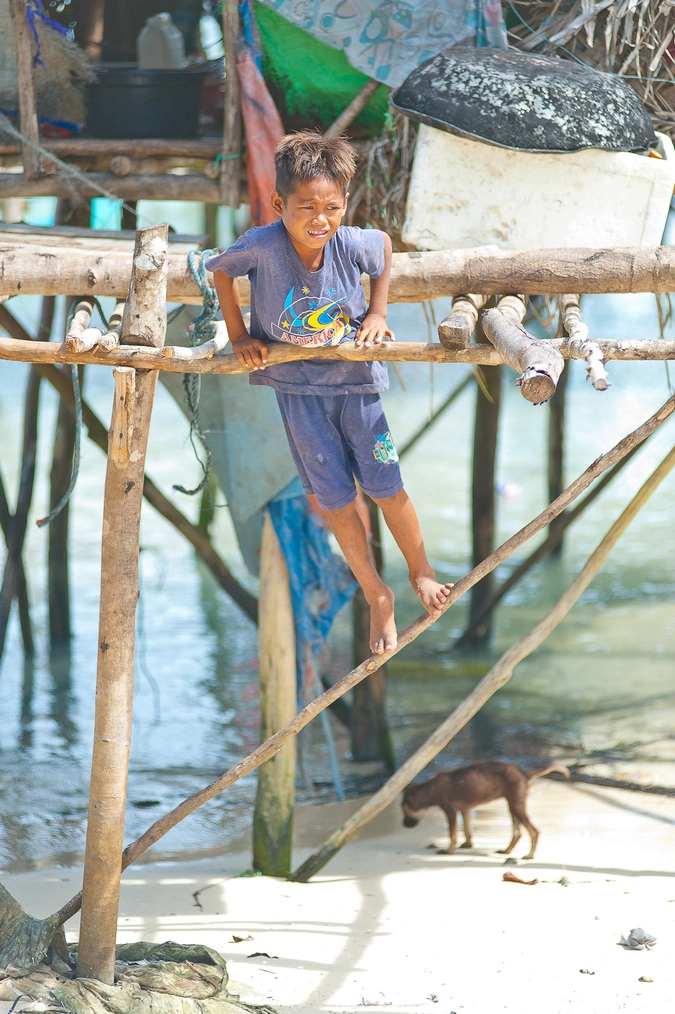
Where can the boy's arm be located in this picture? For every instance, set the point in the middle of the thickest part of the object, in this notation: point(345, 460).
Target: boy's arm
point(251, 352)
point(374, 328)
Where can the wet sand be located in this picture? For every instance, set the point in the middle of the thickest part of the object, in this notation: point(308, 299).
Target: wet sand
point(389, 922)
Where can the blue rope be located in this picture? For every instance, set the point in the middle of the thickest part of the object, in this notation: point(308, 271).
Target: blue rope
point(201, 330)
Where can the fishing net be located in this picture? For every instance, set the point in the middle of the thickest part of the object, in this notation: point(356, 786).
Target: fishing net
point(311, 82)
point(150, 978)
point(61, 71)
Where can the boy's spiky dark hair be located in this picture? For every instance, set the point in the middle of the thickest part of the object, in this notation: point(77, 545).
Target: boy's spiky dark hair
point(309, 155)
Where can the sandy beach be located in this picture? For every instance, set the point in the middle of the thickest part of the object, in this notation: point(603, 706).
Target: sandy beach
point(390, 923)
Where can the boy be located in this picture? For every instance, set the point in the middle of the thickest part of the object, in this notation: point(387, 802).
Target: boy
point(305, 272)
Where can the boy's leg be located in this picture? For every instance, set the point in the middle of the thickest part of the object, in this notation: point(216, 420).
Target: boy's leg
point(350, 532)
point(401, 518)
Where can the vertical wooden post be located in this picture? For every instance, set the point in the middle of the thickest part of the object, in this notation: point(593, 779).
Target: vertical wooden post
point(483, 493)
point(275, 797)
point(127, 443)
point(556, 447)
point(230, 169)
point(369, 731)
point(25, 75)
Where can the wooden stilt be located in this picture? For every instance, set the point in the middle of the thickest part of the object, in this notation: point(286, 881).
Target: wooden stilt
point(369, 730)
point(132, 409)
point(14, 576)
point(275, 797)
point(546, 547)
point(486, 429)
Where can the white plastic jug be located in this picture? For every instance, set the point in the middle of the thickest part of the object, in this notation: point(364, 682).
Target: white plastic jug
point(160, 44)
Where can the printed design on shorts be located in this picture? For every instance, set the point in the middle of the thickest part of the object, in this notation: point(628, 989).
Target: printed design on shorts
point(311, 320)
point(384, 450)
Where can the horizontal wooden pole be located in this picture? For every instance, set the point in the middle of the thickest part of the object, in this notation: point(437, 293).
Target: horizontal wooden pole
point(163, 187)
point(53, 271)
point(144, 358)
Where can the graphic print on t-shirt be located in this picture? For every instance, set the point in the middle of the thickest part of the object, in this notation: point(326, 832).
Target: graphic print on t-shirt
point(311, 320)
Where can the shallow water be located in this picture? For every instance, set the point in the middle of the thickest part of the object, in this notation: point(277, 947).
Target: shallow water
point(601, 690)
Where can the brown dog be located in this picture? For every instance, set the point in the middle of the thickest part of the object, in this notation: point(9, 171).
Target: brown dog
point(466, 788)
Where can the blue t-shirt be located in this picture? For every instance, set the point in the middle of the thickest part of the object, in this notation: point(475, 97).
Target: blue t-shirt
point(291, 304)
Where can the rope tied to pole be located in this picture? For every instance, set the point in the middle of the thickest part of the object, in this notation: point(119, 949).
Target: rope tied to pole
point(200, 330)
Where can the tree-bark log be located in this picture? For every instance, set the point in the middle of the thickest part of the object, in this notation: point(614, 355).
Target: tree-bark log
point(538, 363)
point(51, 270)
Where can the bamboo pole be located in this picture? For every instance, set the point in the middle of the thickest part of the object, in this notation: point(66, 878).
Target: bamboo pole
point(132, 410)
point(25, 84)
point(53, 270)
point(275, 796)
point(270, 747)
point(495, 679)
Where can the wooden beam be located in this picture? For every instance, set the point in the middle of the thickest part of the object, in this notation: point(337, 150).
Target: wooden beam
point(123, 496)
point(61, 270)
point(141, 147)
point(163, 187)
point(25, 83)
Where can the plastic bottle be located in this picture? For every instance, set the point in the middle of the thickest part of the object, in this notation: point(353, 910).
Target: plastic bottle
point(160, 44)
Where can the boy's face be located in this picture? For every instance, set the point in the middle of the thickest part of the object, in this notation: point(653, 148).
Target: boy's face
point(311, 214)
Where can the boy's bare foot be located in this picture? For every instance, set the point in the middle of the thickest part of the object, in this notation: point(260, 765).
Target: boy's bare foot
point(383, 635)
point(432, 593)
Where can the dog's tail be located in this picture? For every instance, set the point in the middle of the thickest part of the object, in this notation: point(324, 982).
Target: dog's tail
point(560, 768)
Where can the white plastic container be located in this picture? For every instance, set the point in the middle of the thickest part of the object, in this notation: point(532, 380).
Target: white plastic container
point(160, 45)
point(465, 193)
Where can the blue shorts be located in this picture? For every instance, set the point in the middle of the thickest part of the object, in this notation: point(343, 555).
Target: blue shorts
point(335, 439)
